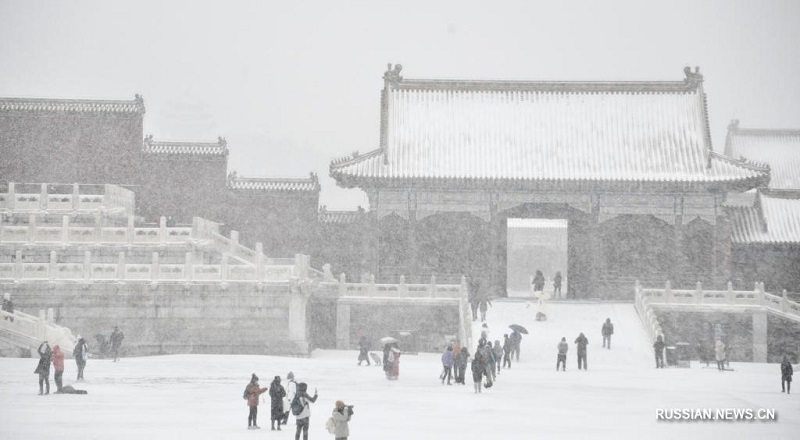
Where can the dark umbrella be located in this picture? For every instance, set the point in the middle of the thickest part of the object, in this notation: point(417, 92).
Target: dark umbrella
point(518, 328)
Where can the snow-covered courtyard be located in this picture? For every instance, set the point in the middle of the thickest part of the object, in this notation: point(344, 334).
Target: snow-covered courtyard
point(199, 396)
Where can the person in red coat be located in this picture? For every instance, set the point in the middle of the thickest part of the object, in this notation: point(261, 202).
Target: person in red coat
point(58, 366)
point(254, 391)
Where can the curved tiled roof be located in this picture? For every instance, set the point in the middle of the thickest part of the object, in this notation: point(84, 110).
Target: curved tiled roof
point(778, 148)
point(339, 217)
point(274, 183)
point(545, 131)
point(773, 219)
point(71, 105)
point(218, 148)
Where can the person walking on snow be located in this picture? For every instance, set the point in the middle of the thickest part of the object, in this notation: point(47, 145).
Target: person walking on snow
point(462, 359)
point(498, 354)
point(43, 368)
point(80, 353)
point(786, 375)
point(516, 341)
point(507, 350)
point(276, 394)
point(58, 367)
point(478, 368)
point(582, 343)
point(116, 341)
point(607, 331)
point(447, 363)
point(562, 354)
point(363, 351)
point(291, 390)
point(658, 347)
point(719, 352)
point(253, 393)
point(303, 417)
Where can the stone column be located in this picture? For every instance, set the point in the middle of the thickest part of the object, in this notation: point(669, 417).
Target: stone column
point(593, 286)
point(760, 336)
point(298, 302)
point(412, 255)
point(342, 326)
point(677, 270)
point(494, 233)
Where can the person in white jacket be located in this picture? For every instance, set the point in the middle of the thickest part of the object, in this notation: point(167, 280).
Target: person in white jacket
point(341, 419)
point(291, 390)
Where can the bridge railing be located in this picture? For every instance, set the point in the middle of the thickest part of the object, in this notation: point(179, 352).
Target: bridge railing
point(756, 297)
point(51, 197)
point(38, 329)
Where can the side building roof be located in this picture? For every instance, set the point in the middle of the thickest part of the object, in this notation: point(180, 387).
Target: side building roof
point(780, 149)
point(544, 131)
point(171, 148)
point(774, 218)
point(267, 184)
point(49, 105)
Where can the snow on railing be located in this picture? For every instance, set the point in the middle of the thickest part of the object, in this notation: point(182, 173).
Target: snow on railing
point(646, 313)
point(756, 297)
point(39, 328)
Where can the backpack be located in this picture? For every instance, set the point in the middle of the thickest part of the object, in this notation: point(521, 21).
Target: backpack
point(296, 405)
point(246, 392)
point(330, 425)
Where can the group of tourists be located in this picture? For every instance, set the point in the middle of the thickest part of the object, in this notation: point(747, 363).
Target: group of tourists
point(294, 399)
point(538, 283)
point(486, 362)
point(56, 356)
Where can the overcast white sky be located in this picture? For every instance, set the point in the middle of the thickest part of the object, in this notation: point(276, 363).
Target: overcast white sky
point(293, 84)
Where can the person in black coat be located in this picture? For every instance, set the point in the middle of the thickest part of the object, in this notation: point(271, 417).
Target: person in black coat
point(658, 347)
point(363, 351)
point(276, 394)
point(43, 369)
point(557, 285)
point(538, 281)
point(786, 375)
point(80, 353)
point(582, 343)
point(478, 369)
point(607, 331)
point(116, 341)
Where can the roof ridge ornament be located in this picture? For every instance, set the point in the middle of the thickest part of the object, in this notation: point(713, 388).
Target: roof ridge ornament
point(734, 125)
point(392, 76)
point(692, 78)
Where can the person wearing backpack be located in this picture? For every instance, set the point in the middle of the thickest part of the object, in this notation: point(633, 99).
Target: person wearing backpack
point(252, 393)
point(301, 409)
point(340, 419)
point(607, 331)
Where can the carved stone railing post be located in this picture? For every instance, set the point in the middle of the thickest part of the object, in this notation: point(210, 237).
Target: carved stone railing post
point(87, 265)
point(234, 243)
point(155, 268)
point(432, 287)
point(402, 288)
point(65, 229)
point(342, 284)
point(52, 269)
point(162, 229)
point(43, 197)
point(668, 298)
point(32, 236)
point(698, 293)
point(76, 197)
point(223, 269)
point(11, 200)
point(130, 231)
point(784, 302)
point(759, 293)
point(371, 288)
point(188, 267)
point(121, 272)
point(260, 261)
point(98, 227)
point(729, 295)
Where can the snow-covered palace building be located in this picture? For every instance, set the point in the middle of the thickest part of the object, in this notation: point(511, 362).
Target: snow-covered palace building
point(627, 168)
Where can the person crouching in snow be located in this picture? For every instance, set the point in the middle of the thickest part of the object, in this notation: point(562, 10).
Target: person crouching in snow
point(253, 393)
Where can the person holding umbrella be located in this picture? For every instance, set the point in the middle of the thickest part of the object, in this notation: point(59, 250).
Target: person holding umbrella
point(516, 338)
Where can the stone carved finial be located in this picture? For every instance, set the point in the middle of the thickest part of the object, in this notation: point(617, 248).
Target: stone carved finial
point(692, 78)
point(139, 99)
point(392, 76)
point(313, 176)
point(232, 177)
point(222, 142)
point(355, 154)
point(148, 139)
point(734, 125)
